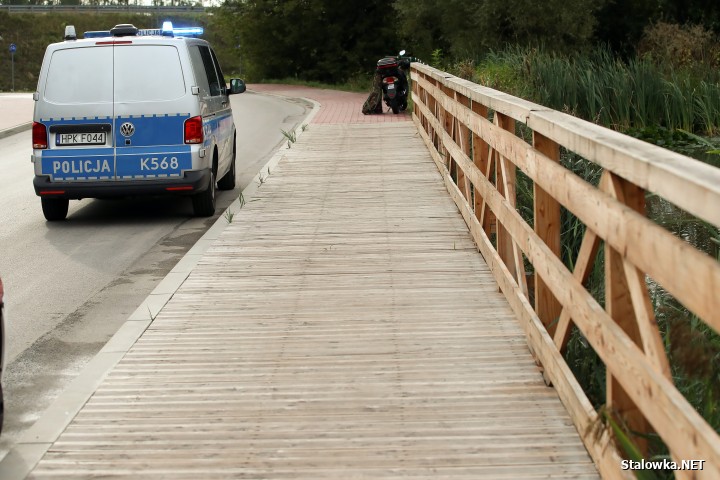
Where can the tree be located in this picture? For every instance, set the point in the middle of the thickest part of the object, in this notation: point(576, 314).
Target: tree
point(696, 12)
point(466, 28)
point(311, 39)
point(423, 25)
point(620, 24)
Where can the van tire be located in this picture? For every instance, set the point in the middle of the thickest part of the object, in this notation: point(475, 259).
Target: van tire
point(55, 209)
point(204, 202)
point(228, 181)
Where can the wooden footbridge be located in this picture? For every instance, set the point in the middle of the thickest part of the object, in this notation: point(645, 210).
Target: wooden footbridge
point(348, 322)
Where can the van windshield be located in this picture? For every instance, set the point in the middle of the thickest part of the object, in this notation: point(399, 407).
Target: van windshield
point(142, 73)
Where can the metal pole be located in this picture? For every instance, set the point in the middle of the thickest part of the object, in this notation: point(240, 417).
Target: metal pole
point(13, 47)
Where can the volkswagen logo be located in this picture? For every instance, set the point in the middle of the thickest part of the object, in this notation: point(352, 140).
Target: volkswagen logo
point(127, 129)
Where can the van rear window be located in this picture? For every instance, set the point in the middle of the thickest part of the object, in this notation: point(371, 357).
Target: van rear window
point(148, 73)
point(80, 75)
point(141, 73)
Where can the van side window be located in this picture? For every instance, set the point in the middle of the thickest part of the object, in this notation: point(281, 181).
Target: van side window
point(199, 70)
point(217, 67)
point(212, 75)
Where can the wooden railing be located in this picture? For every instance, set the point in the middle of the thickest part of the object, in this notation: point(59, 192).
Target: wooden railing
point(471, 133)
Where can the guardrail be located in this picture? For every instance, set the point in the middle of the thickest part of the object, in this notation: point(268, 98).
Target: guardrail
point(101, 9)
point(471, 133)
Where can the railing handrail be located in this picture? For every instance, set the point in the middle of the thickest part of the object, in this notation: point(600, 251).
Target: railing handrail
point(453, 117)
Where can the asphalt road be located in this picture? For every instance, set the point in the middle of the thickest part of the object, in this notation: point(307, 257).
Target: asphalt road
point(70, 285)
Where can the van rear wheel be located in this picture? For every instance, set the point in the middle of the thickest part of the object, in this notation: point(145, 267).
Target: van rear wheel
point(55, 208)
point(228, 181)
point(204, 202)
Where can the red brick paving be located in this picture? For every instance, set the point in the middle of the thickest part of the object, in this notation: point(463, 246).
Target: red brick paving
point(335, 106)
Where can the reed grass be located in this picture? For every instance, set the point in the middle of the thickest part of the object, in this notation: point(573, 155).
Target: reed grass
point(601, 88)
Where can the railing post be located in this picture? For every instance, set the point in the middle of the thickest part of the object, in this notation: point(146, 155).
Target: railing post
point(440, 115)
point(462, 138)
point(432, 108)
point(505, 175)
point(419, 95)
point(426, 98)
point(619, 305)
point(447, 122)
point(481, 159)
point(547, 226)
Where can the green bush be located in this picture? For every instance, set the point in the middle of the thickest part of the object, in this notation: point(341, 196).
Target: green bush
point(680, 46)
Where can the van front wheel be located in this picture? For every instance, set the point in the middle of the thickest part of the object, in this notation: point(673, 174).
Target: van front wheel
point(55, 208)
point(204, 202)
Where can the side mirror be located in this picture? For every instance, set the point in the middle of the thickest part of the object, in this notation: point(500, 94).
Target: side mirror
point(237, 86)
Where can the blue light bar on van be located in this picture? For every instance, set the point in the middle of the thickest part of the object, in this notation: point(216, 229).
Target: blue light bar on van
point(175, 32)
point(187, 31)
point(167, 30)
point(97, 34)
point(171, 32)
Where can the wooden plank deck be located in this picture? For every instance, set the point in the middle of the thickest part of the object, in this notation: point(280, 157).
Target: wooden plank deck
point(343, 326)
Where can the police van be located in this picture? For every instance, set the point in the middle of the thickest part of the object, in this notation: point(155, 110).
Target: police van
point(130, 112)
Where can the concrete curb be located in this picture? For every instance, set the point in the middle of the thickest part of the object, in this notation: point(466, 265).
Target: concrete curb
point(16, 129)
point(35, 442)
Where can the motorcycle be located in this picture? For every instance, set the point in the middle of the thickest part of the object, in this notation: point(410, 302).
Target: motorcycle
point(391, 71)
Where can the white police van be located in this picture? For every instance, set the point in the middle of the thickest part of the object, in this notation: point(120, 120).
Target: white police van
point(129, 112)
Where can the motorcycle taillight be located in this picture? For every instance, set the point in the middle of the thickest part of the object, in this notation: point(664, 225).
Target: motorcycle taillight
point(390, 79)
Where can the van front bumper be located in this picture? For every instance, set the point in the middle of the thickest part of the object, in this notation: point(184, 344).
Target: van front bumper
point(190, 183)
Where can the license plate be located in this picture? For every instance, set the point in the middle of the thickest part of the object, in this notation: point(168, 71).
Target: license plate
point(391, 87)
point(90, 138)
